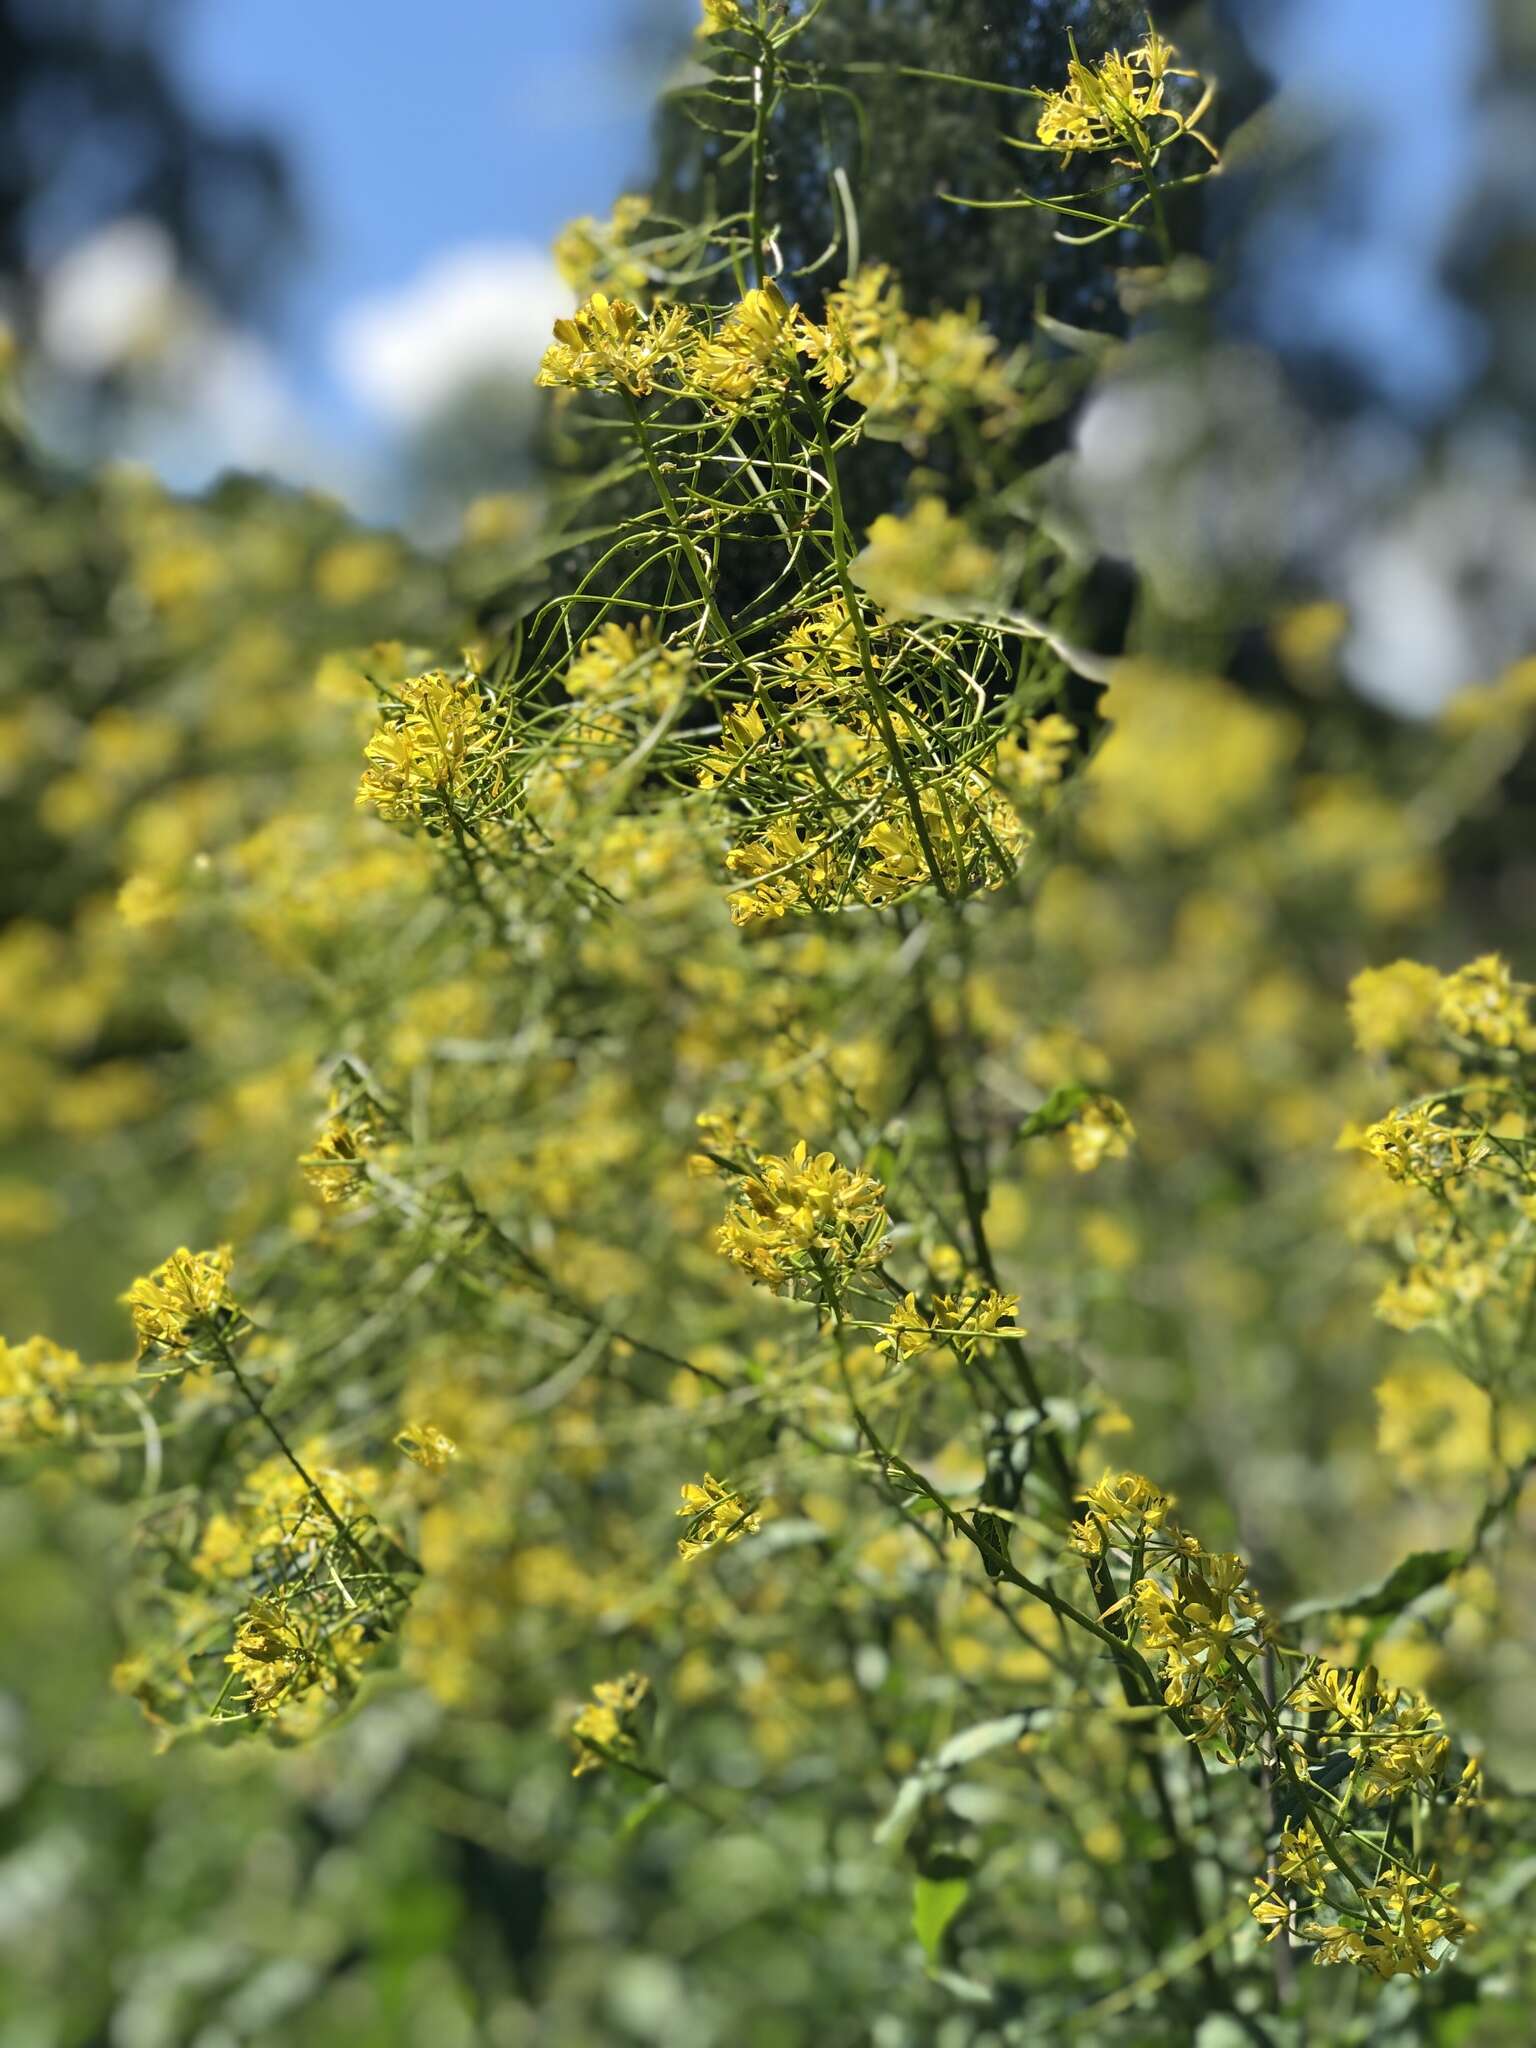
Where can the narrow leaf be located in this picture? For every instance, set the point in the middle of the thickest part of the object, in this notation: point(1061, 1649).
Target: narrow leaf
point(935, 1902)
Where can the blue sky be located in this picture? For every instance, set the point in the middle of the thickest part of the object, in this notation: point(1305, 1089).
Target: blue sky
point(416, 128)
point(468, 132)
point(1404, 83)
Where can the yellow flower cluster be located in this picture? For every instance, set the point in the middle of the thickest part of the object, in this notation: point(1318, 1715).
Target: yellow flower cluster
point(433, 738)
point(1458, 1226)
point(336, 1165)
point(1392, 1008)
point(605, 1729)
point(1484, 1004)
point(628, 667)
point(1412, 1145)
point(1405, 1921)
point(1408, 1010)
point(183, 1302)
point(1101, 1129)
point(314, 1585)
point(875, 816)
point(925, 563)
point(1040, 760)
point(957, 1321)
point(426, 1445)
point(716, 1515)
point(610, 345)
point(820, 654)
point(1194, 1614)
point(1185, 757)
point(278, 1512)
point(277, 1659)
point(911, 375)
point(754, 346)
point(38, 1384)
point(719, 15)
point(1113, 104)
point(805, 1220)
point(595, 255)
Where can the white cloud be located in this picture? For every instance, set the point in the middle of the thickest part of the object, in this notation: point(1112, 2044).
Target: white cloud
point(221, 401)
point(475, 312)
point(196, 395)
point(110, 299)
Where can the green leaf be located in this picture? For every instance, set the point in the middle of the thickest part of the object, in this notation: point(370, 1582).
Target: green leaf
point(1421, 1569)
point(1057, 1110)
point(979, 1741)
point(1414, 1575)
point(935, 1902)
point(933, 1773)
point(966, 1989)
point(1078, 341)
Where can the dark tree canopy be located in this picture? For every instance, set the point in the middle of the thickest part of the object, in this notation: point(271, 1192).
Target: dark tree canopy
point(910, 145)
point(94, 125)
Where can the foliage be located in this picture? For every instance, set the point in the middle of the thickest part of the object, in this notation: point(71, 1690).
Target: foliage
point(699, 1100)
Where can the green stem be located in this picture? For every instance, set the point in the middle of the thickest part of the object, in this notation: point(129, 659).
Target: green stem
point(841, 556)
point(685, 543)
point(1154, 193)
point(254, 1403)
point(764, 89)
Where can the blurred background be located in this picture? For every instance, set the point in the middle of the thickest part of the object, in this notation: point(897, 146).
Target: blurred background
point(306, 240)
point(274, 238)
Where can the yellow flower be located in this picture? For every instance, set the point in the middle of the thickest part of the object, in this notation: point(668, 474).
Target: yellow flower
point(1185, 757)
point(1301, 1859)
point(1484, 1003)
point(354, 569)
point(628, 665)
point(1393, 1007)
point(910, 375)
point(498, 518)
point(718, 16)
point(334, 1166)
point(805, 1218)
point(1041, 761)
point(957, 1319)
point(1350, 1696)
point(755, 343)
point(609, 344)
point(716, 1516)
point(1267, 1907)
point(741, 734)
point(1432, 1423)
point(1101, 1129)
point(184, 1299)
point(433, 737)
point(426, 1445)
point(788, 872)
point(821, 651)
point(1127, 1497)
point(593, 255)
point(1414, 1928)
point(147, 899)
point(1113, 104)
point(1411, 1145)
point(37, 1379)
point(271, 1656)
point(607, 1722)
point(924, 564)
